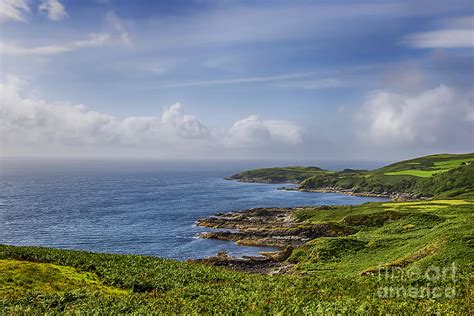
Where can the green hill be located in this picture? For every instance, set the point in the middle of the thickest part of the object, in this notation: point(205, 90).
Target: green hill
point(292, 174)
point(447, 175)
point(425, 176)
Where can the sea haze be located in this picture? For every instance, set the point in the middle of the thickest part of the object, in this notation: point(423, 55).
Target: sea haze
point(139, 207)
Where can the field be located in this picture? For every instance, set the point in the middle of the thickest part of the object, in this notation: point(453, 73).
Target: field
point(416, 173)
point(439, 163)
point(408, 257)
point(429, 176)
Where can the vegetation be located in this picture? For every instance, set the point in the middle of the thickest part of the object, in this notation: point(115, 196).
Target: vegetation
point(411, 257)
point(432, 242)
point(427, 176)
point(292, 174)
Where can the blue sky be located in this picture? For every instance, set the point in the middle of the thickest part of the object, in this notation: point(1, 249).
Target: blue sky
point(227, 79)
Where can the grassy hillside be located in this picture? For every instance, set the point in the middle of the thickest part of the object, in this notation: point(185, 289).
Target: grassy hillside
point(409, 258)
point(427, 176)
point(292, 174)
point(427, 166)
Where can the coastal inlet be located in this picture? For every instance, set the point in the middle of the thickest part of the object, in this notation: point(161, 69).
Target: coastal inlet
point(269, 227)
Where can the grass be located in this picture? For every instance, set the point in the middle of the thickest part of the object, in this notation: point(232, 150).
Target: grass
point(415, 173)
point(423, 179)
point(429, 165)
point(16, 276)
point(391, 232)
point(331, 275)
point(450, 164)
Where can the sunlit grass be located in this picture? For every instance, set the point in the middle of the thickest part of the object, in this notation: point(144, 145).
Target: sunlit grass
point(416, 173)
point(18, 277)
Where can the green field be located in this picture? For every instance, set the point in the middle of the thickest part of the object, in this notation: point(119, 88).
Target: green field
point(439, 164)
point(416, 173)
point(361, 273)
point(426, 176)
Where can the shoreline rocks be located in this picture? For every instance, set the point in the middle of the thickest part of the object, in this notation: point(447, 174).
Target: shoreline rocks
point(269, 227)
point(397, 197)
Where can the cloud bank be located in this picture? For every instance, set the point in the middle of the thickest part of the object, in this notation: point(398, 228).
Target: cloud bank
point(31, 126)
point(441, 117)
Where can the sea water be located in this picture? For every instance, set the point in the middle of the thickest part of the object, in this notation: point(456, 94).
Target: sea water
point(133, 207)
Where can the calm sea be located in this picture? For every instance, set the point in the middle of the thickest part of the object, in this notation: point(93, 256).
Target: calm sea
point(139, 207)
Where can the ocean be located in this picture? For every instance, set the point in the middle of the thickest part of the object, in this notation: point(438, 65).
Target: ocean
point(134, 207)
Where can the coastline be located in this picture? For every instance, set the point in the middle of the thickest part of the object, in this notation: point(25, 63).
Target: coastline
point(274, 227)
point(270, 227)
point(400, 197)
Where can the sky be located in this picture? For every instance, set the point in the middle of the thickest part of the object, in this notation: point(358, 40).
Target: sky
point(273, 80)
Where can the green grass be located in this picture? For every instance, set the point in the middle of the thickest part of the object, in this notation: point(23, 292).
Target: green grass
point(17, 276)
point(420, 177)
point(389, 232)
point(450, 164)
point(331, 275)
point(444, 165)
point(416, 173)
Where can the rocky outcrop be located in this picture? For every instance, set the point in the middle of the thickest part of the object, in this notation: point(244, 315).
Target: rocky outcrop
point(272, 227)
point(264, 180)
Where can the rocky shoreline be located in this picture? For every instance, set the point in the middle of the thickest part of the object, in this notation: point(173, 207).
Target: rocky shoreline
point(272, 227)
point(275, 227)
point(395, 196)
point(399, 197)
point(260, 180)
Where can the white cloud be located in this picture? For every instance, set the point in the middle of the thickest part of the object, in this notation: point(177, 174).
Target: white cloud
point(219, 82)
point(93, 39)
point(252, 131)
point(458, 33)
point(13, 10)
point(442, 39)
point(53, 9)
point(437, 117)
point(32, 126)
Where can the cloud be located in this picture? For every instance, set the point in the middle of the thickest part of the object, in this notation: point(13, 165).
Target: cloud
point(458, 33)
point(437, 118)
point(13, 10)
point(252, 131)
point(118, 25)
point(53, 9)
point(32, 126)
point(237, 80)
point(93, 39)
